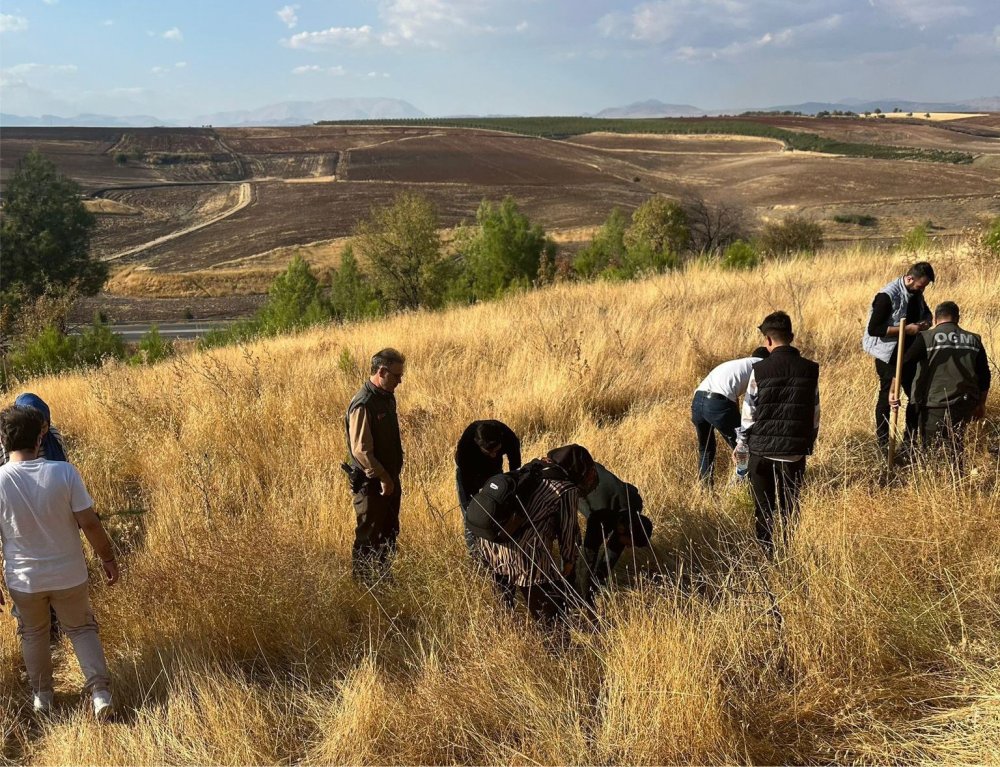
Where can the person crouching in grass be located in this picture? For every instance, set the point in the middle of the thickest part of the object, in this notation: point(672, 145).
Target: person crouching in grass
point(43, 506)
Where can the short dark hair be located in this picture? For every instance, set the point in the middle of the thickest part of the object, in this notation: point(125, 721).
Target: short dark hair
point(20, 427)
point(385, 358)
point(760, 351)
point(488, 435)
point(778, 325)
point(947, 309)
point(921, 270)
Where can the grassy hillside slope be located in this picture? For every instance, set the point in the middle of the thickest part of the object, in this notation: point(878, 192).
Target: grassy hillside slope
point(238, 635)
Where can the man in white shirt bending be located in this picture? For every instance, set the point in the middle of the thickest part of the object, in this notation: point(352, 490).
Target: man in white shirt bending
point(716, 407)
point(43, 506)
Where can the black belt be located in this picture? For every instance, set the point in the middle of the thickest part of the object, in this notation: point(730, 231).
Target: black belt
point(713, 395)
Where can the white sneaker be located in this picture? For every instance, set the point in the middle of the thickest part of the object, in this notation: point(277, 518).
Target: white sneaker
point(42, 702)
point(102, 705)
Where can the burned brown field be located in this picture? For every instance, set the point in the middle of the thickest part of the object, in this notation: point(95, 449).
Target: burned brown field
point(198, 200)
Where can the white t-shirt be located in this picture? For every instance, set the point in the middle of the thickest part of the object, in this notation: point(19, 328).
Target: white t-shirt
point(730, 379)
point(42, 550)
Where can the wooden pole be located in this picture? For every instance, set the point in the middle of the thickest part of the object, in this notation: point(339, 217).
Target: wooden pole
point(896, 386)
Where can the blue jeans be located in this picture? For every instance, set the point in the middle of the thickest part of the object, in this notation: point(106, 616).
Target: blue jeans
point(708, 416)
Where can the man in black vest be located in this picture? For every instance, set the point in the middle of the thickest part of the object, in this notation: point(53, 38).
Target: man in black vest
point(952, 380)
point(376, 463)
point(779, 426)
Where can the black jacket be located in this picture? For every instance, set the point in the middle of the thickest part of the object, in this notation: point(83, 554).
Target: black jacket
point(952, 367)
point(474, 467)
point(786, 398)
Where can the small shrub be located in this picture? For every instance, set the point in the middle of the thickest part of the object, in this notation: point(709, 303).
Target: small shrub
point(98, 343)
point(861, 219)
point(917, 238)
point(792, 235)
point(188, 314)
point(740, 255)
point(152, 348)
point(991, 237)
point(121, 158)
point(48, 352)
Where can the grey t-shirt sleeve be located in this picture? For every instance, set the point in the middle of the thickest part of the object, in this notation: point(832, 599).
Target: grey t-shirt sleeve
point(79, 498)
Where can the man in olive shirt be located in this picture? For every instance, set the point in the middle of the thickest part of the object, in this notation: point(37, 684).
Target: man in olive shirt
point(951, 382)
point(377, 458)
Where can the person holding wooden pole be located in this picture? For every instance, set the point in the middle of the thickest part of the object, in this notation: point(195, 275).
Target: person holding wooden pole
point(901, 299)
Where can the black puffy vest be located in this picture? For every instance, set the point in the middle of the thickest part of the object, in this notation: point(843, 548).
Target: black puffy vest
point(381, 407)
point(786, 404)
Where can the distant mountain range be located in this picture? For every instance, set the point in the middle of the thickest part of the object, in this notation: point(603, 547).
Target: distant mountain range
point(284, 113)
point(288, 113)
point(650, 108)
point(653, 108)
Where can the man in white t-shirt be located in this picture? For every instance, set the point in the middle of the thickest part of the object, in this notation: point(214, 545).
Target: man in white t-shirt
point(43, 506)
point(716, 407)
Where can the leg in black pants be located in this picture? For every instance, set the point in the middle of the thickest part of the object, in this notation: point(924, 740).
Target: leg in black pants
point(886, 372)
point(470, 539)
point(709, 415)
point(376, 531)
point(775, 486)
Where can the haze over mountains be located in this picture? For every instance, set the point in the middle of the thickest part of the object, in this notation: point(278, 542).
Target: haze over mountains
point(289, 113)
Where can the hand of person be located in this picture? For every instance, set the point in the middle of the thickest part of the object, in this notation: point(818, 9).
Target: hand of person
point(925, 325)
point(111, 571)
point(913, 328)
point(388, 486)
point(893, 401)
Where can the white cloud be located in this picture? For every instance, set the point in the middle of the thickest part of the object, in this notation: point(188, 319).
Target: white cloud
point(308, 69)
point(288, 15)
point(108, 23)
point(429, 23)
point(924, 12)
point(173, 34)
point(9, 23)
point(658, 21)
point(23, 69)
point(133, 91)
point(334, 36)
point(180, 65)
point(781, 38)
point(50, 2)
point(522, 26)
point(159, 70)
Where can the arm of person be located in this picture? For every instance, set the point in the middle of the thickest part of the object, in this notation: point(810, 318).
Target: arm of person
point(512, 447)
point(92, 528)
point(881, 326)
point(466, 445)
point(569, 530)
point(985, 378)
point(916, 352)
point(748, 415)
point(816, 417)
point(363, 449)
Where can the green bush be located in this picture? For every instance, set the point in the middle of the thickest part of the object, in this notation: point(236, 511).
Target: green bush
point(152, 348)
point(991, 237)
point(917, 238)
point(351, 297)
point(98, 343)
point(607, 249)
point(505, 251)
point(792, 235)
point(53, 351)
point(294, 300)
point(861, 219)
point(238, 332)
point(740, 255)
point(658, 225)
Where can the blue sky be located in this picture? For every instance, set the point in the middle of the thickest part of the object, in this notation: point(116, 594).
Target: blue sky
point(182, 59)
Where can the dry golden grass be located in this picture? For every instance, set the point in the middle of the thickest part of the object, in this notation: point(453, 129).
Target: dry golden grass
point(238, 636)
